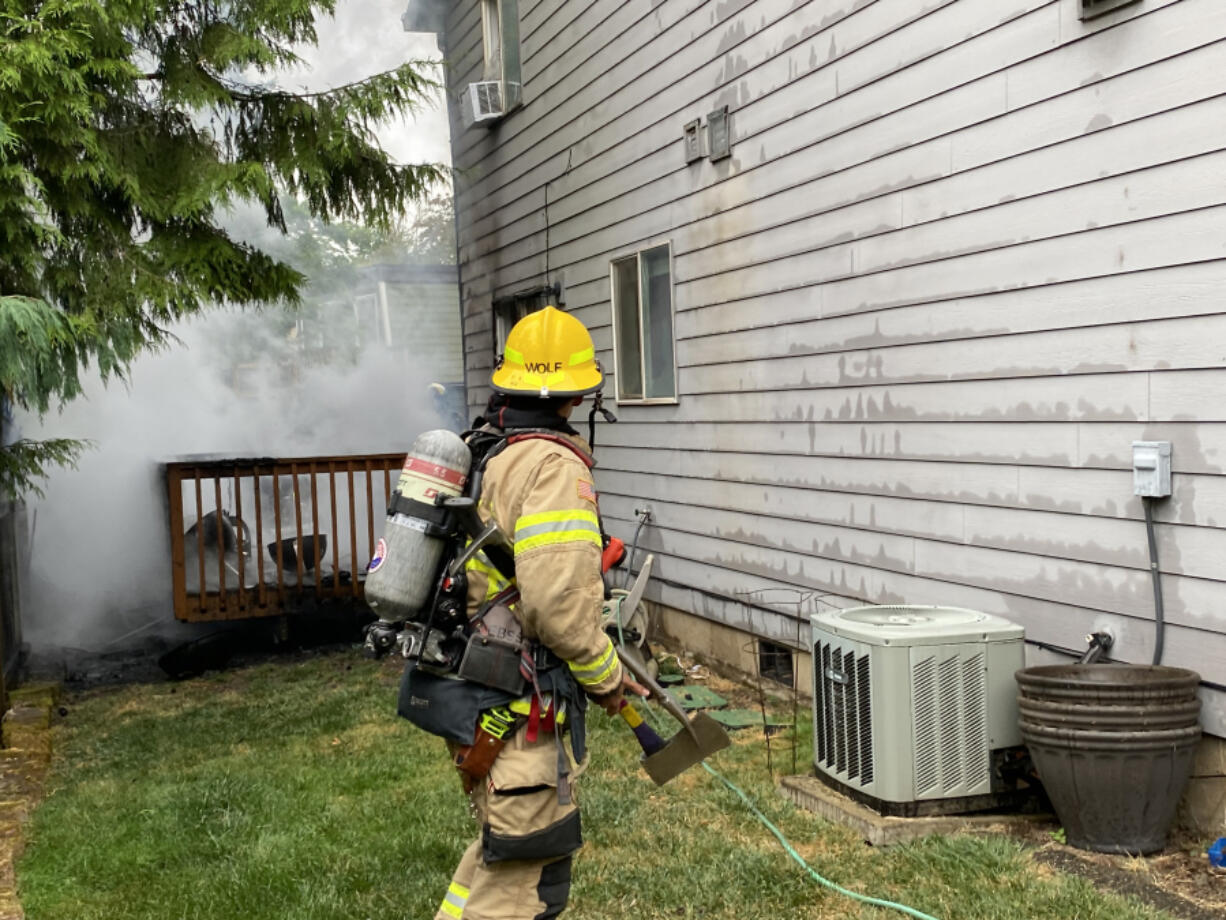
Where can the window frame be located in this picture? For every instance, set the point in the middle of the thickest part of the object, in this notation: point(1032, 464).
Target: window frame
point(500, 31)
point(511, 308)
point(637, 255)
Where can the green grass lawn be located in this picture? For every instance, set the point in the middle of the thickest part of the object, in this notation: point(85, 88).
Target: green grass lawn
point(290, 789)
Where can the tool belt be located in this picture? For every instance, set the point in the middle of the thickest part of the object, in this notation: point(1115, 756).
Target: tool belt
point(497, 725)
point(493, 729)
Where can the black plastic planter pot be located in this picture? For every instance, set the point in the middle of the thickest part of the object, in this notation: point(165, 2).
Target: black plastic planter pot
point(1113, 745)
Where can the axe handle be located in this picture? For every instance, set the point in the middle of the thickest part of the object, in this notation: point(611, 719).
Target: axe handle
point(635, 666)
point(648, 740)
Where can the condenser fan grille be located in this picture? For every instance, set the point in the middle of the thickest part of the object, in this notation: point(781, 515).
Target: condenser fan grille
point(843, 707)
point(951, 732)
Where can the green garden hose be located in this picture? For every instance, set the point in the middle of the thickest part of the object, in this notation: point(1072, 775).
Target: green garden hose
point(919, 915)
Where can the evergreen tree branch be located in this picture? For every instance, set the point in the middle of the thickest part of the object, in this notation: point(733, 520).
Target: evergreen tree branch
point(24, 463)
point(124, 134)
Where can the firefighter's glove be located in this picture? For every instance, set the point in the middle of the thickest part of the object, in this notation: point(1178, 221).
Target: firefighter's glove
point(612, 702)
point(613, 555)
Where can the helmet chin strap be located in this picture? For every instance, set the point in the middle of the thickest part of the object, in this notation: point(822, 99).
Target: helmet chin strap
point(597, 406)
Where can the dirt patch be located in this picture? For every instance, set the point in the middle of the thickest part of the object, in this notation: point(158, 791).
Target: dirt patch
point(1178, 880)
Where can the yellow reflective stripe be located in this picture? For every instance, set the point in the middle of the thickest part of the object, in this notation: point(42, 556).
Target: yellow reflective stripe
point(453, 905)
point(454, 900)
point(512, 355)
point(494, 580)
point(548, 528)
point(476, 564)
point(599, 670)
point(552, 539)
point(580, 356)
point(523, 707)
point(553, 517)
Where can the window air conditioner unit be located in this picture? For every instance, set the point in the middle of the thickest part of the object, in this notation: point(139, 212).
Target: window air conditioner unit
point(915, 708)
point(488, 101)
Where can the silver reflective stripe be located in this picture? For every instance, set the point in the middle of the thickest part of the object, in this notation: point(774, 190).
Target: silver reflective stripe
point(454, 901)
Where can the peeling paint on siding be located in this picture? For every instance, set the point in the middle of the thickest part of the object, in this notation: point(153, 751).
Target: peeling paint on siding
point(1099, 122)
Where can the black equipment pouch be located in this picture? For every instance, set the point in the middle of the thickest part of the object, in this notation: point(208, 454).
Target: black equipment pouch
point(445, 706)
point(492, 661)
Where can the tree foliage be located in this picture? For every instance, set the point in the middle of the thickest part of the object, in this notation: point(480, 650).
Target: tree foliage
point(126, 128)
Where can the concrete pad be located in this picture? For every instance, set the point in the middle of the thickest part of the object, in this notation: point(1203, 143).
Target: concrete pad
point(27, 715)
point(32, 739)
point(36, 694)
point(813, 795)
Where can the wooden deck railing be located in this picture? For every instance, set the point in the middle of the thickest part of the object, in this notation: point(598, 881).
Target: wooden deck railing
point(246, 538)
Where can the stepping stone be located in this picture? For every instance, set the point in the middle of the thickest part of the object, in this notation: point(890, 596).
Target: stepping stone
point(697, 697)
point(747, 718)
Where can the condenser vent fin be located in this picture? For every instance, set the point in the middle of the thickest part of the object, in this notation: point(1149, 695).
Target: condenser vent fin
point(853, 717)
point(864, 702)
point(838, 695)
point(924, 700)
point(975, 694)
point(819, 706)
point(843, 718)
point(953, 718)
point(827, 710)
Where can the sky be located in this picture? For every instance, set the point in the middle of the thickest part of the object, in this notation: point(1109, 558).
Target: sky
point(366, 38)
point(99, 551)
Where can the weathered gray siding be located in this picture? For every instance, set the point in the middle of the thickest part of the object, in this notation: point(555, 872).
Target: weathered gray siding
point(424, 322)
point(963, 254)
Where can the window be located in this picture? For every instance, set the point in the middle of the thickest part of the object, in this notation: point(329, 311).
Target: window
point(775, 663)
point(507, 313)
point(644, 360)
point(511, 309)
point(500, 32)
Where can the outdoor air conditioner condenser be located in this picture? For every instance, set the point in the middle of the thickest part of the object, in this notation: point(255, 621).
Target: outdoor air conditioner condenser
point(915, 708)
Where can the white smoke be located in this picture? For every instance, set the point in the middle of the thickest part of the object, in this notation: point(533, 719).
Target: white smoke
point(99, 568)
point(100, 553)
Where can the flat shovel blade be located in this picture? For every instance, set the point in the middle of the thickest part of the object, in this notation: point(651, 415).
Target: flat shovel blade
point(688, 747)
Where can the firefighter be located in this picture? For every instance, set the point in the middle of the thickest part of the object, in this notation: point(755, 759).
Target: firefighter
point(540, 490)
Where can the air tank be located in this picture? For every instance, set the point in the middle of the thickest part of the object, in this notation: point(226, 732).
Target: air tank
point(404, 567)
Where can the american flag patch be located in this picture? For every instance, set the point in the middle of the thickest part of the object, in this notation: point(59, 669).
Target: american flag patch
point(586, 491)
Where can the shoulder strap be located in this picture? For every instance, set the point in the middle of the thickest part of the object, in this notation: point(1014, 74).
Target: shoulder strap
point(546, 435)
point(486, 443)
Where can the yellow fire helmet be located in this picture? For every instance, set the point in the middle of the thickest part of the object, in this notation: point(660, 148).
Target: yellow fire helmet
point(548, 353)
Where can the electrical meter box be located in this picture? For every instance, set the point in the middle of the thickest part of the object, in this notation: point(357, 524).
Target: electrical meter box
point(1151, 468)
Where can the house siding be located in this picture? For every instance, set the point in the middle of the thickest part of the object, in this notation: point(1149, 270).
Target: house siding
point(964, 252)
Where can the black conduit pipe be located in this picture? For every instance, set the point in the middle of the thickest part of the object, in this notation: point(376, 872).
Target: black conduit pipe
point(1159, 615)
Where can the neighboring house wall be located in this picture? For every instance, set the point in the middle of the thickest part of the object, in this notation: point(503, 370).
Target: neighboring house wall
point(420, 317)
point(963, 253)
